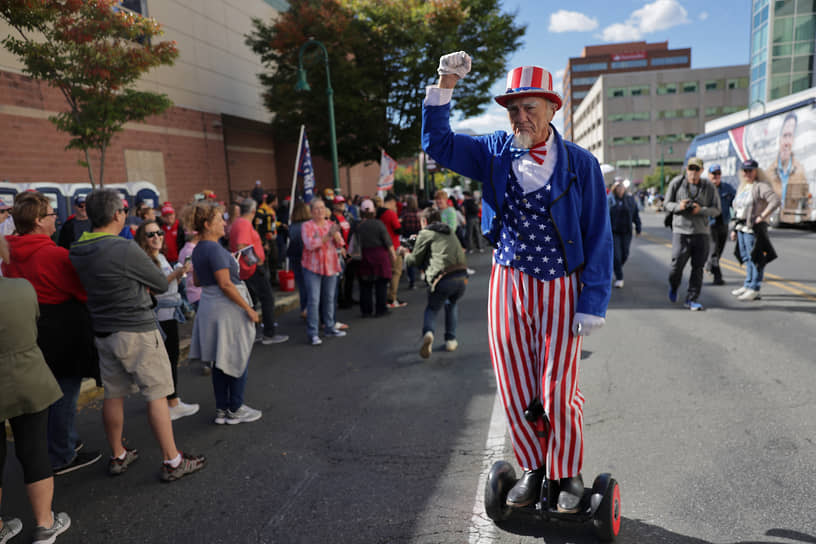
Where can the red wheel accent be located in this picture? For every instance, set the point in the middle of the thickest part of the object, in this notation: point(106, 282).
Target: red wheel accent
point(616, 510)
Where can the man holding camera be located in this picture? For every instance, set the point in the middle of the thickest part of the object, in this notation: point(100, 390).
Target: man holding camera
point(693, 201)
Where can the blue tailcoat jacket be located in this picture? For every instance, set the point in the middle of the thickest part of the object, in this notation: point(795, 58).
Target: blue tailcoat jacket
point(578, 209)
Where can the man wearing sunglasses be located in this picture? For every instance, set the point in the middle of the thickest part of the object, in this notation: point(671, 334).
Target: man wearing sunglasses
point(76, 224)
point(693, 201)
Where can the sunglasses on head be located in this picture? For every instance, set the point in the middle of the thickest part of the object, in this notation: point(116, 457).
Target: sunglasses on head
point(154, 233)
point(693, 168)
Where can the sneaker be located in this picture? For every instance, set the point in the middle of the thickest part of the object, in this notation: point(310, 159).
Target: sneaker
point(718, 281)
point(619, 284)
point(397, 304)
point(117, 466)
point(244, 414)
point(277, 339)
point(451, 345)
point(189, 464)
point(738, 292)
point(693, 305)
point(427, 345)
point(316, 341)
point(82, 459)
point(672, 295)
point(334, 332)
point(749, 294)
point(47, 535)
point(220, 417)
point(340, 326)
point(182, 409)
point(11, 528)
point(470, 271)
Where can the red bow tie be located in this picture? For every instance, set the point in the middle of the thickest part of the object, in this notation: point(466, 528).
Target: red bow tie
point(538, 152)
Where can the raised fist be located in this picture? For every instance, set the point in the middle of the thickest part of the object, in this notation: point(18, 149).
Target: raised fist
point(454, 63)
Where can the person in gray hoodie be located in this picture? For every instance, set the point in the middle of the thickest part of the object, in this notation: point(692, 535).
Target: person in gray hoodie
point(119, 278)
point(438, 252)
point(693, 201)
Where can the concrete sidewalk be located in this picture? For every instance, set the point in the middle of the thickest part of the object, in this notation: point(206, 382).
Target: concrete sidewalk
point(284, 302)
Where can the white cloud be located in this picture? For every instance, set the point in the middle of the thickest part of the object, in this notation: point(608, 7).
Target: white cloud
point(653, 17)
point(571, 21)
point(620, 32)
point(559, 74)
point(495, 118)
point(703, 16)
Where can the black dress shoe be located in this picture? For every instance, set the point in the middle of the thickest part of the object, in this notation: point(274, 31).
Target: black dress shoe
point(572, 491)
point(528, 489)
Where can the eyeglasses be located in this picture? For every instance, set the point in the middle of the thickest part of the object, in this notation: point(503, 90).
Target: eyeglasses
point(50, 214)
point(154, 234)
point(694, 168)
point(5, 211)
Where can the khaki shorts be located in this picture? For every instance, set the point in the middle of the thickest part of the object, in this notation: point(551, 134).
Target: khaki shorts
point(134, 359)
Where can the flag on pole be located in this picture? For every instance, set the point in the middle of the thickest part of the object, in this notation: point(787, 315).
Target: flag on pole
point(305, 169)
point(387, 168)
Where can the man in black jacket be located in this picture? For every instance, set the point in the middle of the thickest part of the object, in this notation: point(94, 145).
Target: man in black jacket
point(623, 212)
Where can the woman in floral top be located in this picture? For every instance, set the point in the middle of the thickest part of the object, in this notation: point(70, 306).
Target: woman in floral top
point(321, 240)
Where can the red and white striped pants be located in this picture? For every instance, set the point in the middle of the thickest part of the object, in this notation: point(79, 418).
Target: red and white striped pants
point(535, 353)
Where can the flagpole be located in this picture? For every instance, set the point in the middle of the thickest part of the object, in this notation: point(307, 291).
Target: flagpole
point(294, 182)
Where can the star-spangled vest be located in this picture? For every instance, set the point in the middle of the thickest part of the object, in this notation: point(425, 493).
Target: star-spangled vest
point(528, 240)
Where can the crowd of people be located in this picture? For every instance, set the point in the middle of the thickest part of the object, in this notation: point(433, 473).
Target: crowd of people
point(103, 296)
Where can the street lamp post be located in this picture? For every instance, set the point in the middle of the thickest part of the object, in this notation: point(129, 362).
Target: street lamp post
point(662, 176)
point(302, 85)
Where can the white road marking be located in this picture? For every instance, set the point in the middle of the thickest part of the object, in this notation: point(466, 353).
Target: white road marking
point(482, 528)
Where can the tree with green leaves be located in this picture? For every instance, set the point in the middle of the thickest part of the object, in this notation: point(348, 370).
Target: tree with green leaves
point(382, 54)
point(93, 52)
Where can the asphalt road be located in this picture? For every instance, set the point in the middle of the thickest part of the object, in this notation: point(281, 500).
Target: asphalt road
point(707, 420)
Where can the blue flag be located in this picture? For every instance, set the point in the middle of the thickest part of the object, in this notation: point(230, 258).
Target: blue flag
point(305, 169)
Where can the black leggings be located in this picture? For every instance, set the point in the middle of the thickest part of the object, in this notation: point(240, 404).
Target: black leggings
point(171, 344)
point(30, 445)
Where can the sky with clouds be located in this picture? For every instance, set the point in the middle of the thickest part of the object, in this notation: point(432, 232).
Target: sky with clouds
point(717, 32)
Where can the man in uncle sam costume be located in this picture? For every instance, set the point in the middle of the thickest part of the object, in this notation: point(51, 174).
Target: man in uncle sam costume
point(544, 209)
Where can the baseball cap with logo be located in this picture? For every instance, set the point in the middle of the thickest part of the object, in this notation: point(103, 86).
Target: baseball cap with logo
point(167, 209)
point(529, 81)
point(714, 168)
point(5, 202)
point(750, 164)
point(694, 161)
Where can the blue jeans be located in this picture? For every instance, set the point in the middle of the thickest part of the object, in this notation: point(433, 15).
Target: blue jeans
point(62, 435)
point(449, 290)
point(297, 269)
point(229, 391)
point(320, 300)
point(753, 273)
point(621, 253)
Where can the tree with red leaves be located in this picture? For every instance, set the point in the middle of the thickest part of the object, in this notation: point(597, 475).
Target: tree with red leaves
point(93, 51)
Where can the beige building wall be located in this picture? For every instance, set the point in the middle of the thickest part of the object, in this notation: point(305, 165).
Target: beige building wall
point(600, 128)
point(215, 71)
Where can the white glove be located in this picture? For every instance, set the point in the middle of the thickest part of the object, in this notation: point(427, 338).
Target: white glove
point(584, 324)
point(454, 63)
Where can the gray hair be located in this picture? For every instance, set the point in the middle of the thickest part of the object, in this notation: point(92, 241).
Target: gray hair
point(248, 205)
point(102, 205)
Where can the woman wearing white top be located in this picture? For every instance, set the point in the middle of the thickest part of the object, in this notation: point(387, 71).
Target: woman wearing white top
point(150, 238)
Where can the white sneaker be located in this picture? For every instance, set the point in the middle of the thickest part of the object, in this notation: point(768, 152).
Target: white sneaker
point(277, 339)
point(470, 271)
point(316, 341)
point(738, 292)
point(334, 332)
point(427, 345)
point(182, 409)
point(619, 284)
point(749, 294)
point(244, 414)
point(451, 345)
point(11, 527)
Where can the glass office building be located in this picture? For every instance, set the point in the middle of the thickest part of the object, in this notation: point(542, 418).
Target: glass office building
point(783, 43)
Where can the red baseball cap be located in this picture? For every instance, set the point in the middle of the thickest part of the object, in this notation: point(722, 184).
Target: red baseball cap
point(167, 209)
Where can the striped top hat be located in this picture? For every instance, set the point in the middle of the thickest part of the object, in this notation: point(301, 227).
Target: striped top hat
point(529, 81)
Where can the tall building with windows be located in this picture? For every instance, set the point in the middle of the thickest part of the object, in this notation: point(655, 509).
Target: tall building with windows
point(582, 72)
point(783, 44)
point(635, 121)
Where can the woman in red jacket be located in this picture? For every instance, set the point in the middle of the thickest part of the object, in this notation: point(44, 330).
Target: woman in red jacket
point(64, 330)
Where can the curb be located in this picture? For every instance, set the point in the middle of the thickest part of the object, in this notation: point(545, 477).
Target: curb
point(88, 392)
